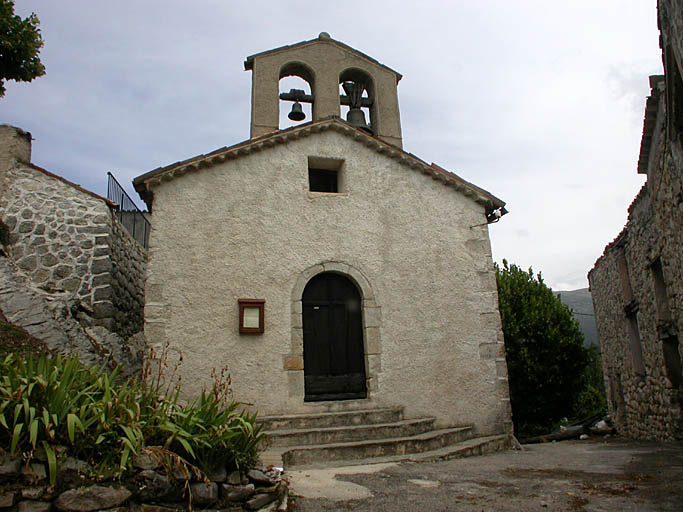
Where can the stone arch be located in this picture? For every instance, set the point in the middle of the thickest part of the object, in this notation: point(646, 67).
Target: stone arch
point(305, 72)
point(371, 326)
point(359, 75)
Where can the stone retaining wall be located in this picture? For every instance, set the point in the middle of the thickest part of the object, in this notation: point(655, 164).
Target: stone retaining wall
point(25, 487)
point(66, 238)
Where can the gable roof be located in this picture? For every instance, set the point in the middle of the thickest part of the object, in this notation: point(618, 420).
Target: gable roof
point(324, 36)
point(146, 182)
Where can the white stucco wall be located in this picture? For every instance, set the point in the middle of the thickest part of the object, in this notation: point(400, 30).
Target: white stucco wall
point(249, 228)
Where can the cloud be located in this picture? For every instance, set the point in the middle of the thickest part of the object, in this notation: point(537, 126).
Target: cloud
point(538, 102)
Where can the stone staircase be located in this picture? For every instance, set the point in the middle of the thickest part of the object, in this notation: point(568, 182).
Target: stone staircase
point(367, 436)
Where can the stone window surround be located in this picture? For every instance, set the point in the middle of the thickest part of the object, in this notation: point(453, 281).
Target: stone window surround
point(294, 362)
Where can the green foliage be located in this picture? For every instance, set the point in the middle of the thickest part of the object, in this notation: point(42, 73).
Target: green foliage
point(544, 350)
point(54, 401)
point(592, 399)
point(20, 43)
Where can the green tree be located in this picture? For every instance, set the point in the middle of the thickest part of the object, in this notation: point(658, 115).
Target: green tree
point(20, 43)
point(544, 351)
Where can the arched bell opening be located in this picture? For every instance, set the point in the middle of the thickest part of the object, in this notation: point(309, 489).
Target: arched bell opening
point(296, 89)
point(334, 349)
point(357, 99)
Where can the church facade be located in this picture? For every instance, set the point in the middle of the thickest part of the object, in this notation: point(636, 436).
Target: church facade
point(324, 266)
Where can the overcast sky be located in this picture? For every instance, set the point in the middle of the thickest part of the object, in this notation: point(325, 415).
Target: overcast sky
point(539, 102)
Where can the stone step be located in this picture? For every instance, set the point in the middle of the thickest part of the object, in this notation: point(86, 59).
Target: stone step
point(468, 448)
point(318, 436)
point(332, 453)
point(331, 419)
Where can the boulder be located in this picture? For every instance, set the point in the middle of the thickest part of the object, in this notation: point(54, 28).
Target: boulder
point(89, 499)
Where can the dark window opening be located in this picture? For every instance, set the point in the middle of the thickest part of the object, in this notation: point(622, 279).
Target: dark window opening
point(672, 361)
point(322, 180)
point(624, 279)
point(636, 347)
point(674, 93)
point(661, 296)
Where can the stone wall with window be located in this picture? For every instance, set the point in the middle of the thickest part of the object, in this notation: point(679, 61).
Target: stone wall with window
point(640, 367)
point(67, 240)
point(637, 284)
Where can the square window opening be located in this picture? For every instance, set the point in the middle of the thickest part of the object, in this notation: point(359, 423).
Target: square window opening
point(321, 180)
point(324, 175)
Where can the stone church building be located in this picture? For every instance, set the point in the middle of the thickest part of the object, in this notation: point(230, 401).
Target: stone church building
point(322, 264)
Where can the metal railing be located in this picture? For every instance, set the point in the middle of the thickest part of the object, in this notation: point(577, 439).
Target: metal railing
point(132, 218)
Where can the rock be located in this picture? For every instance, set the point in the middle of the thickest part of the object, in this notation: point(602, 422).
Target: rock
point(145, 461)
point(155, 508)
point(235, 478)
point(95, 497)
point(203, 493)
point(260, 478)
point(231, 493)
point(9, 467)
point(155, 487)
point(217, 474)
point(34, 506)
point(181, 473)
point(284, 503)
point(35, 472)
point(32, 493)
point(7, 499)
point(260, 500)
point(75, 465)
point(71, 472)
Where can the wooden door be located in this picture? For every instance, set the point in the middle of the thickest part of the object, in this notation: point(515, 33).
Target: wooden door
point(334, 358)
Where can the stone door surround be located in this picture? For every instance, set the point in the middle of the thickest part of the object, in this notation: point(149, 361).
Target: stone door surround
point(294, 362)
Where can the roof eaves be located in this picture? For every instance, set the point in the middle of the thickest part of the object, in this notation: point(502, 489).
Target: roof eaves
point(649, 122)
point(72, 184)
point(144, 182)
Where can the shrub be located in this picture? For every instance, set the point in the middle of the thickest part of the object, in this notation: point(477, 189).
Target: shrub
point(544, 351)
point(48, 401)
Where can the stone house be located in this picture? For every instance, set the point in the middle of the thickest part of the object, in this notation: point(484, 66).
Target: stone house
point(637, 284)
point(68, 264)
point(322, 264)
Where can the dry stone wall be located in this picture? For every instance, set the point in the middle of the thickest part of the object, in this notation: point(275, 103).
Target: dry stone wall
point(637, 284)
point(642, 398)
point(58, 235)
point(151, 488)
point(67, 242)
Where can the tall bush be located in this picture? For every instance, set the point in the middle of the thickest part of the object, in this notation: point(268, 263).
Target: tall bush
point(544, 351)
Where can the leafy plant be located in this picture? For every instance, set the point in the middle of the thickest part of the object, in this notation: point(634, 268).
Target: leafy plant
point(48, 401)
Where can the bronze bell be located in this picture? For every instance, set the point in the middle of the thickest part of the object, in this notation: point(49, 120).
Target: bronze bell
point(297, 113)
point(356, 118)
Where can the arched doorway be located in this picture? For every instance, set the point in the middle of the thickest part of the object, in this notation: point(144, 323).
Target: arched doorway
point(334, 358)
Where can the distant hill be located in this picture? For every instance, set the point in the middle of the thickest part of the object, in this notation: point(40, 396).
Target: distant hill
point(581, 304)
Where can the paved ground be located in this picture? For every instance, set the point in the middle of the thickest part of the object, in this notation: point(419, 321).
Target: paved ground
point(593, 475)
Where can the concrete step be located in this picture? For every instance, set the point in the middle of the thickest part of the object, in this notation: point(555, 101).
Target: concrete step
point(327, 435)
point(331, 419)
point(467, 448)
point(388, 447)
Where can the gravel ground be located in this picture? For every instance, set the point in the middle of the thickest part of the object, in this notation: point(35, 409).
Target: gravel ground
point(592, 475)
